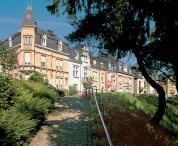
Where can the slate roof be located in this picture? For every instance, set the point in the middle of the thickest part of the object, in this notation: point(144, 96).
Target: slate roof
point(28, 19)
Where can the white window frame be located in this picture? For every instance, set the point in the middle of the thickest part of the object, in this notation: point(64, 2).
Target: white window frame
point(94, 62)
point(60, 84)
point(101, 64)
point(27, 39)
point(57, 64)
point(60, 65)
point(44, 40)
point(102, 77)
point(43, 61)
point(57, 83)
point(60, 46)
point(26, 76)
point(75, 71)
point(27, 58)
point(125, 68)
point(76, 55)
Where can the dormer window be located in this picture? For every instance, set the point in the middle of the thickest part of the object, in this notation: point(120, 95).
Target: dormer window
point(76, 55)
point(43, 40)
point(125, 68)
point(94, 62)
point(28, 16)
point(60, 45)
point(101, 65)
point(27, 39)
point(10, 42)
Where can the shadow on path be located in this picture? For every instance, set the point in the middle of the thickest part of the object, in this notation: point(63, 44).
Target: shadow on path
point(68, 125)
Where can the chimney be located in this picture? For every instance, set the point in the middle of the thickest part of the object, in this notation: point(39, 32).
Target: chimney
point(50, 32)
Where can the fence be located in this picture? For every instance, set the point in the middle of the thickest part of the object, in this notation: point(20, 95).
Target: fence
point(102, 120)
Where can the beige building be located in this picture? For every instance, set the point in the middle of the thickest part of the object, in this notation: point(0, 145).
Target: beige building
point(41, 51)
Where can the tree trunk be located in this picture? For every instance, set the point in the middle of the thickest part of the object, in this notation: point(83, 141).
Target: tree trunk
point(162, 102)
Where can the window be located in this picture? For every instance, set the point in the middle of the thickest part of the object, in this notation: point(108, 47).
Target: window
point(114, 67)
point(27, 58)
point(85, 58)
point(43, 40)
point(94, 62)
point(95, 76)
point(27, 76)
point(28, 16)
point(75, 71)
point(60, 64)
point(27, 39)
point(120, 67)
point(57, 83)
point(76, 55)
point(10, 42)
point(125, 68)
point(101, 65)
point(114, 83)
point(109, 64)
point(60, 46)
point(57, 64)
point(102, 77)
point(60, 86)
point(43, 58)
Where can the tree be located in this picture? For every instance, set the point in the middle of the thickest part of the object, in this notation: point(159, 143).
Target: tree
point(8, 59)
point(123, 26)
point(37, 77)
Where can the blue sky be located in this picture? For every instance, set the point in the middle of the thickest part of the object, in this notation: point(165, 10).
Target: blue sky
point(12, 13)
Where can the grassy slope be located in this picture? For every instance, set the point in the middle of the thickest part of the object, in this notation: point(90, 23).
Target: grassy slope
point(130, 116)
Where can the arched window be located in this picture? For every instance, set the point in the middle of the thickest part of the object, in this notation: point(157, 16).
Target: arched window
point(60, 45)
point(44, 40)
point(27, 75)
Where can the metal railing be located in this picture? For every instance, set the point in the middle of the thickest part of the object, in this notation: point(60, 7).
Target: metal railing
point(103, 123)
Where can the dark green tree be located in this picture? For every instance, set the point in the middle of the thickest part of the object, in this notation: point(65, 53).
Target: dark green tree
point(37, 77)
point(123, 26)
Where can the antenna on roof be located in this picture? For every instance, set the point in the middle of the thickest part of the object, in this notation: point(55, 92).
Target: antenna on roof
point(29, 7)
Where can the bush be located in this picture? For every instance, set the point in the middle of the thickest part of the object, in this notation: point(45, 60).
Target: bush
point(8, 92)
point(15, 127)
point(36, 107)
point(72, 90)
point(37, 77)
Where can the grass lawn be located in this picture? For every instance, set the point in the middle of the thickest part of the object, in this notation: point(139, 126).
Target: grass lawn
point(130, 121)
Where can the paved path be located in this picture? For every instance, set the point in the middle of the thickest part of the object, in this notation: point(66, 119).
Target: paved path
point(68, 125)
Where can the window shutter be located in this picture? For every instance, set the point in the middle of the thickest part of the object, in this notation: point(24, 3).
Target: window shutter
point(57, 62)
point(60, 62)
point(57, 81)
point(27, 57)
point(43, 58)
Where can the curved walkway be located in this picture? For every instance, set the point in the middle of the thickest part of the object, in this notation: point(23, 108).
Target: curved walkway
point(68, 125)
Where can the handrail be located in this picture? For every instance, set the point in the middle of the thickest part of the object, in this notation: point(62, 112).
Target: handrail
point(104, 126)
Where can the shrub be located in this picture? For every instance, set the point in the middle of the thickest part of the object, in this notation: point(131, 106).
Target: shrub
point(36, 107)
point(8, 92)
point(37, 77)
point(15, 127)
point(72, 90)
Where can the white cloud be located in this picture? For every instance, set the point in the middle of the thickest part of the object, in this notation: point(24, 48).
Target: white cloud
point(42, 23)
point(10, 20)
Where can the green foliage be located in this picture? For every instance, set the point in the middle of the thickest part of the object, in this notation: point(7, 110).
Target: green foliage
point(8, 58)
point(8, 92)
point(26, 105)
point(15, 127)
point(37, 77)
point(36, 107)
point(72, 90)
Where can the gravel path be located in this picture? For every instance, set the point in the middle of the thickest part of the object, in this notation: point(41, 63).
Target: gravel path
point(68, 125)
